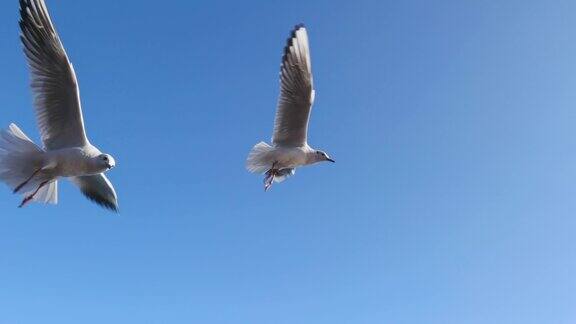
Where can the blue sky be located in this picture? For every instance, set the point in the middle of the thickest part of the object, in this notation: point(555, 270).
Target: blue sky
point(452, 199)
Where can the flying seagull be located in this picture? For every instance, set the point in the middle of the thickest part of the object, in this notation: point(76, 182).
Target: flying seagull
point(289, 148)
point(67, 153)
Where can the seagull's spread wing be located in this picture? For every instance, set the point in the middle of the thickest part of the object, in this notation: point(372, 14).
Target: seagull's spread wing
point(296, 92)
point(98, 189)
point(54, 83)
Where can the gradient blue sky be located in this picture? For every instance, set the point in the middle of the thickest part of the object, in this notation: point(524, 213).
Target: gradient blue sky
point(452, 199)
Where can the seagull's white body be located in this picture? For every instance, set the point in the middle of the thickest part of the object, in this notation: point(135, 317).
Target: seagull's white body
point(292, 157)
point(72, 162)
point(290, 149)
point(263, 156)
point(67, 152)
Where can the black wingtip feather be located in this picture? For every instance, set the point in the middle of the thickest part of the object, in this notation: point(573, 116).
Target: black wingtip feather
point(293, 32)
point(109, 206)
point(101, 201)
point(298, 26)
point(290, 40)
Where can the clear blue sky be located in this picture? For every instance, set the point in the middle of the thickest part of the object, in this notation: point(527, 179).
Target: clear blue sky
point(452, 199)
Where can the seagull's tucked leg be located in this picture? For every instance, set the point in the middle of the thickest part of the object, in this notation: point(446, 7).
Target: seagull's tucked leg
point(20, 186)
point(270, 175)
point(284, 174)
point(30, 197)
point(269, 180)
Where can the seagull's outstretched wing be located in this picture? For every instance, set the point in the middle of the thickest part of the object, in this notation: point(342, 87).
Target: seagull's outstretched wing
point(98, 189)
point(54, 83)
point(296, 92)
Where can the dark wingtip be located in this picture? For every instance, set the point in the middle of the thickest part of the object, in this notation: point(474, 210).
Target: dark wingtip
point(296, 28)
point(111, 207)
point(102, 202)
point(290, 40)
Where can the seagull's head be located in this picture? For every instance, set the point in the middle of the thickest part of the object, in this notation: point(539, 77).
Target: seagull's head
point(320, 156)
point(106, 161)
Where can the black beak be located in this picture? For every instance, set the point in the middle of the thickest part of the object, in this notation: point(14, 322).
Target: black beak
point(329, 159)
point(109, 166)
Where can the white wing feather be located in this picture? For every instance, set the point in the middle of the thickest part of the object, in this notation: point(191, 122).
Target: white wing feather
point(54, 83)
point(296, 92)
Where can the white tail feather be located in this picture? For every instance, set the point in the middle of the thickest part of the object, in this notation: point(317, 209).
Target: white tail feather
point(20, 158)
point(259, 159)
point(19, 133)
point(47, 194)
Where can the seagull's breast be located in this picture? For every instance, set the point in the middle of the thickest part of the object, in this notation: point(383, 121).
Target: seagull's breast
point(69, 162)
point(290, 157)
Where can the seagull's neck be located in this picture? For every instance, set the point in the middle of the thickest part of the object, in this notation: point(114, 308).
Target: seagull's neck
point(311, 156)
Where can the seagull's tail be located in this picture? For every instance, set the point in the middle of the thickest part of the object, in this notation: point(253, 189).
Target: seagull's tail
point(259, 160)
point(20, 163)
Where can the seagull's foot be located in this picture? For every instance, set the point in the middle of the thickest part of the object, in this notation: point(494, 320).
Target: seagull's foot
point(26, 201)
point(29, 198)
point(268, 181)
point(270, 175)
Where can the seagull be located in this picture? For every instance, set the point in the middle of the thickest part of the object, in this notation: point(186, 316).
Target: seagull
point(34, 171)
point(289, 148)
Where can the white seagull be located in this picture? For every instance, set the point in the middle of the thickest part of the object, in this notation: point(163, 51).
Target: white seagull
point(289, 148)
point(24, 166)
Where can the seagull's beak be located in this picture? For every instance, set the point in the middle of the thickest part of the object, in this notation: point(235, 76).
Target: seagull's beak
point(111, 164)
point(329, 159)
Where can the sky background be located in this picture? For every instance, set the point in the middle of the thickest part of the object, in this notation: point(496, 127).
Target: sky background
point(452, 199)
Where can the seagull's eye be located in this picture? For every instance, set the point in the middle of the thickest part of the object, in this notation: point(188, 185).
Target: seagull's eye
point(105, 158)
